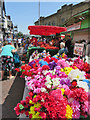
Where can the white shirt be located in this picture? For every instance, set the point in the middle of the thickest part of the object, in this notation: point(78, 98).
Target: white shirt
point(19, 40)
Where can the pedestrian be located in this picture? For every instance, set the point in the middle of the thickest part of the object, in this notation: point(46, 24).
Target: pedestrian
point(27, 44)
point(7, 59)
point(88, 49)
point(9, 40)
point(19, 42)
point(68, 43)
point(63, 49)
point(15, 42)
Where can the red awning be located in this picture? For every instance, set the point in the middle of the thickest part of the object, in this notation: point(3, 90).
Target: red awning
point(45, 30)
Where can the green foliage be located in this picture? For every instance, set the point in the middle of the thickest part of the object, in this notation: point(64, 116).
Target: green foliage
point(20, 34)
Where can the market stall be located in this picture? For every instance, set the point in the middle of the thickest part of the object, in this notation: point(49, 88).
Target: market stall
point(44, 30)
point(32, 49)
point(57, 88)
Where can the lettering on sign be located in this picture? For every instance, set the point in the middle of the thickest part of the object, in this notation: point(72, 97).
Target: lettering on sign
point(74, 26)
point(78, 49)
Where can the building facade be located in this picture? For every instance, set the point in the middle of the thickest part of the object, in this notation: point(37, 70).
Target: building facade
point(6, 25)
point(2, 19)
point(62, 15)
point(75, 17)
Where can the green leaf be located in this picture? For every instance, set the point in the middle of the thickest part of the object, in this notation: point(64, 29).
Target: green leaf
point(21, 106)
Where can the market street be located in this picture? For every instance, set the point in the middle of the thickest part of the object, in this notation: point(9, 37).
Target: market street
point(44, 60)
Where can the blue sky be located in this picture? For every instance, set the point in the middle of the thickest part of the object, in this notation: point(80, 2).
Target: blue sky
point(24, 14)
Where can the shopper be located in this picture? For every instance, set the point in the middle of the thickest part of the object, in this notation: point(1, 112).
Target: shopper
point(15, 42)
point(63, 49)
point(9, 40)
point(88, 49)
point(7, 59)
point(19, 42)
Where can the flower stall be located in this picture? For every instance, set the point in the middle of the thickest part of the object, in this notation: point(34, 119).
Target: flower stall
point(58, 87)
point(46, 31)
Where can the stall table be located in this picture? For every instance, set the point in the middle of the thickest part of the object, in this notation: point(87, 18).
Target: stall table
point(32, 49)
point(52, 51)
point(40, 49)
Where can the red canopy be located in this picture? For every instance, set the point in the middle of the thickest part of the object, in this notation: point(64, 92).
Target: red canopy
point(45, 30)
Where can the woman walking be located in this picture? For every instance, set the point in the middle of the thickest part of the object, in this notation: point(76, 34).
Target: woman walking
point(7, 59)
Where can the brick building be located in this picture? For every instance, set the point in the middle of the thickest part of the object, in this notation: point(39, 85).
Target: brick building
point(75, 17)
point(63, 14)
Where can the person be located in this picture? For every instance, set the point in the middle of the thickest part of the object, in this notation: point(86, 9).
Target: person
point(27, 44)
point(19, 42)
point(63, 49)
point(68, 43)
point(88, 49)
point(9, 40)
point(7, 59)
point(34, 41)
point(15, 42)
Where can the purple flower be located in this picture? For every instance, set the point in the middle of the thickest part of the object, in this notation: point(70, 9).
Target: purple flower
point(52, 65)
point(65, 81)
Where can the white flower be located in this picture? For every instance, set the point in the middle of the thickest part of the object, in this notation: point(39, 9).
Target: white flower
point(84, 85)
point(43, 89)
point(25, 77)
point(56, 82)
point(76, 74)
point(42, 100)
point(48, 86)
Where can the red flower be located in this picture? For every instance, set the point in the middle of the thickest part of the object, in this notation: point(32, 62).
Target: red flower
point(23, 67)
point(74, 83)
point(87, 76)
point(45, 67)
point(23, 61)
point(17, 69)
point(30, 116)
point(28, 67)
point(47, 59)
point(52, 58)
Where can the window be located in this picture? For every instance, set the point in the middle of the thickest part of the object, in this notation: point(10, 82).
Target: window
point(63, 20)
point(49, 23)
point(53, 23)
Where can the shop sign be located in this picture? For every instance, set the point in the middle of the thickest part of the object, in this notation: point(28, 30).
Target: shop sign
point(78, 49)
point(74, 26)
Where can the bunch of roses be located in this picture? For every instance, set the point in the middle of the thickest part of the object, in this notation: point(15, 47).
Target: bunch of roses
point(36, 84)
point(81, 96)
point(80, 64)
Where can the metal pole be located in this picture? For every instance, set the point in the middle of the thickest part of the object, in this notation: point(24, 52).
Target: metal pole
point(39, 12)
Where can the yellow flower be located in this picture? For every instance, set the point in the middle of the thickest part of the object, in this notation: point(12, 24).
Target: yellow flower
point(75, 67)
point(67, 70)
point(62, 89)
point(63, 55)
point(69, 112)
point(31, 102)
point(34, 96)
point(77, 76)
point(62, 70)
point(37, 105)
point(40, 59)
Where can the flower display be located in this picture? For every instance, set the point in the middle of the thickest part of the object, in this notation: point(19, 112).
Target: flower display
point(58, 87)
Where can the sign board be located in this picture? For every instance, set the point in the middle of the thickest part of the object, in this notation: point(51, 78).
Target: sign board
point(78, 49)
point(74, 26)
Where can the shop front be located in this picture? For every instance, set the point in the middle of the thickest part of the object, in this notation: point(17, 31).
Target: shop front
point(79, 30)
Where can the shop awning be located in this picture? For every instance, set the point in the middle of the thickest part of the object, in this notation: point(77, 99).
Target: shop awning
point(85, 12)
point(45, 30)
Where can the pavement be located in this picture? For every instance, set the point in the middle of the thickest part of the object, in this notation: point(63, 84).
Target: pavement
point(11, 94)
